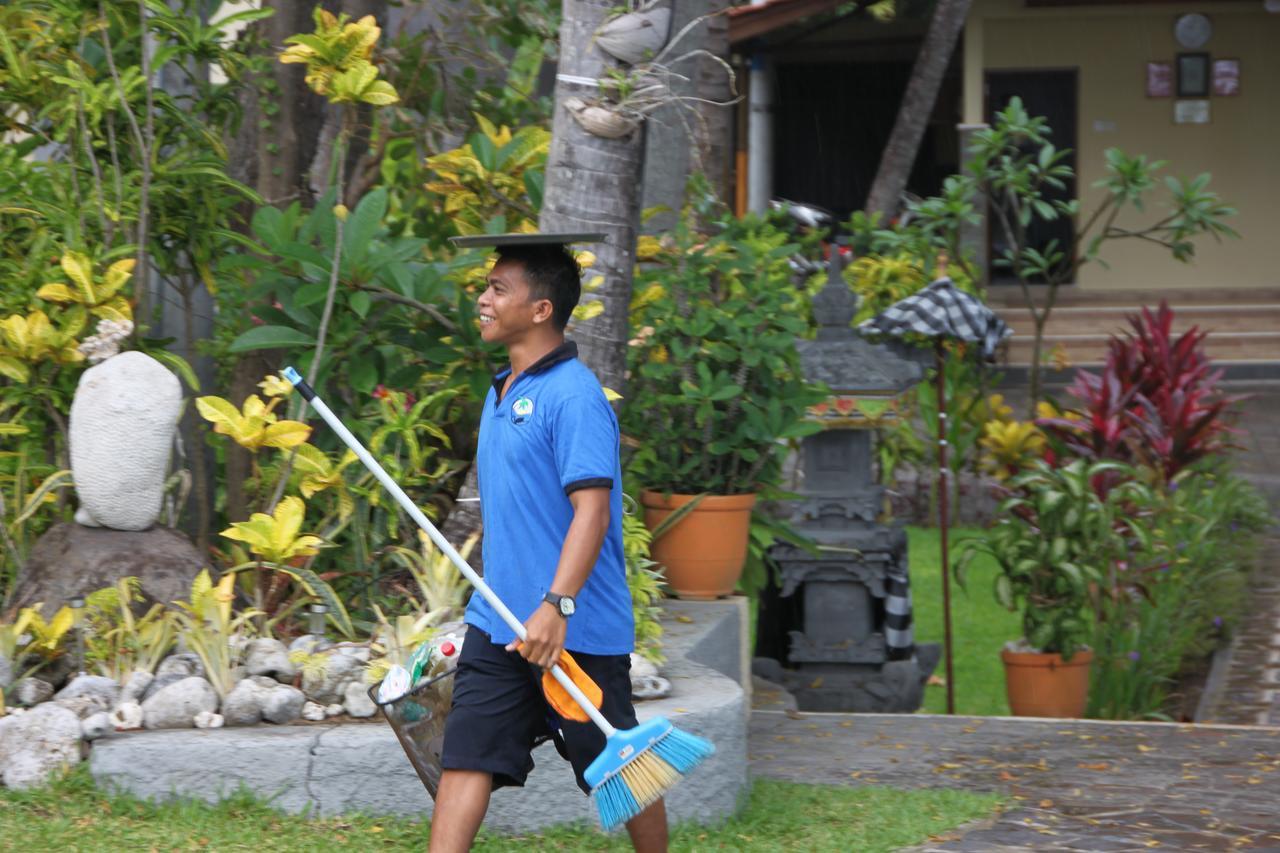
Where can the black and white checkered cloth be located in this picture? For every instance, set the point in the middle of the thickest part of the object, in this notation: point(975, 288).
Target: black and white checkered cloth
point(899, 636)
point(942, 310)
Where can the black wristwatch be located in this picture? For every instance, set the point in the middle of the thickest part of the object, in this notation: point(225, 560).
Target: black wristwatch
point(564, 604)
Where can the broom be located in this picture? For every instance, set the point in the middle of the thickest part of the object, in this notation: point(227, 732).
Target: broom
point(638, 765)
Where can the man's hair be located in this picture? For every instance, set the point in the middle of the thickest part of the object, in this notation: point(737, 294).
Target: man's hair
point(552, 272)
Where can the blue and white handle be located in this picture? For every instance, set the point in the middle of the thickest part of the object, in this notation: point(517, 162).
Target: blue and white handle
point(417, 515)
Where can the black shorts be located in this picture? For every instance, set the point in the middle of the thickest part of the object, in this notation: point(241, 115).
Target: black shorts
point(499, 713)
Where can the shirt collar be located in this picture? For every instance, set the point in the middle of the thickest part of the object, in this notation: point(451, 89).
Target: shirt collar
point(564, 352)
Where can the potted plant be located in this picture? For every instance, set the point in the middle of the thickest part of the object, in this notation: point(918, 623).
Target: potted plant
point(714, 389)
point(1055, 544)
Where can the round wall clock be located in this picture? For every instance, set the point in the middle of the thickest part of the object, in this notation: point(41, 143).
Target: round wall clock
point(1192, 31)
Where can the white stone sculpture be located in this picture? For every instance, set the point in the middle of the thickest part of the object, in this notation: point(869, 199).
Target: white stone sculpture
point(123, 419)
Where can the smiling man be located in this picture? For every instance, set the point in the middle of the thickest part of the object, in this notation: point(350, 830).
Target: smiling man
point(551, 498)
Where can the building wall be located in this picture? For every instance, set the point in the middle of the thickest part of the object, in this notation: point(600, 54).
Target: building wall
point(1110, 45)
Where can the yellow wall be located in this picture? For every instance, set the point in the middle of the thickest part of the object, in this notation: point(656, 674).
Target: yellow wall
point(1241, 146)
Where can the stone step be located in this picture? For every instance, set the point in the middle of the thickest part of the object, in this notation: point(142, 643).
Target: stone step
point(1091, 348)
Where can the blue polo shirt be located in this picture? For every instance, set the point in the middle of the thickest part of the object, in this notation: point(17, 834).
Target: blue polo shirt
point(553, 432)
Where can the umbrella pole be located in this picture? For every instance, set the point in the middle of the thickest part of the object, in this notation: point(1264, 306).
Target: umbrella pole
point(943, 523)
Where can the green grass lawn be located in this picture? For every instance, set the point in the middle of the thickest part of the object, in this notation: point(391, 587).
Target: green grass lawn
point(72, 815)
point(979, 626)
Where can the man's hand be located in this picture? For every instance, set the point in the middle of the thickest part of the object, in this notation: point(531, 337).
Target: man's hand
point(545, 639)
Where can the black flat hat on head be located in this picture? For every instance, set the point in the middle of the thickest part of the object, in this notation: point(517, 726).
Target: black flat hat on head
point(500, 240)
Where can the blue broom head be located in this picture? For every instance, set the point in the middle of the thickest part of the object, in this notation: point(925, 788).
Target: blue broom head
point(638, 766)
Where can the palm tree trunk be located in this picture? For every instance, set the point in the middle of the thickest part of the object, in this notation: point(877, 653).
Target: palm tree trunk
point(593, 184)
point(917, 105)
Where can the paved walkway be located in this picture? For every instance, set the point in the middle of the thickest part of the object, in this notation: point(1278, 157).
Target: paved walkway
point(1075, 785)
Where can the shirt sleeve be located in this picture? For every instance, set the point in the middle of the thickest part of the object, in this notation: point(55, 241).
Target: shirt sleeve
point(585, 439)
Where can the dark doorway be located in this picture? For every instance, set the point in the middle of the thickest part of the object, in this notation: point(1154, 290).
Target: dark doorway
point(1053, 95)
point(831, 123)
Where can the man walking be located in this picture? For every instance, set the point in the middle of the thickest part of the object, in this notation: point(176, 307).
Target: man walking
point(551, 498)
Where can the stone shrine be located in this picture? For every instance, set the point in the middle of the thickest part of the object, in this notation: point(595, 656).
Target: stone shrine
point(854, 651)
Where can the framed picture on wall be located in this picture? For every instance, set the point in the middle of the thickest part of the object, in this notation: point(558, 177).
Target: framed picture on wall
point(1193, 75)
point(1226, 77)
point(1159, 79)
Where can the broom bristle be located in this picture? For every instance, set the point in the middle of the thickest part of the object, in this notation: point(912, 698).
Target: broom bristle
point(648, 775)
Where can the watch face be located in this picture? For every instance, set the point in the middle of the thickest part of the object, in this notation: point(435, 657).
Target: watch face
point(567, 606)
point(1192, 31)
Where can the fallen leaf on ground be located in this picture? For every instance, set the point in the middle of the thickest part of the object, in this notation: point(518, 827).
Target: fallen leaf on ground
point(1099, 765)
point(1142, 747)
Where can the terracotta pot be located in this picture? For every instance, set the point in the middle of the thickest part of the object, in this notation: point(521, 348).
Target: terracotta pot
point(1044, 685)
point(704, 553)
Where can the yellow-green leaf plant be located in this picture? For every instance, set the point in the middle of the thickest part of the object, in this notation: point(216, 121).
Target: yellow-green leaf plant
point(443, 589)
point(209, 627)
point(117, 643)
point(338, 57)
point(276, 538)
point(253, 426)
point(27, 340)
point(277, 542)
point(101, 297)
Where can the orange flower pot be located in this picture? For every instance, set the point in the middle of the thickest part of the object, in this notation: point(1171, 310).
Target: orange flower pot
point(1044, 685)
point(705, 552)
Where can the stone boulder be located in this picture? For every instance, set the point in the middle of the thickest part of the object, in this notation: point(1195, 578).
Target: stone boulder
point(31, 691)
point(185, 664)
point(97, 686)
point(6, 672)
point(96, 726)
point(344, 665)
point(127, 716)
point(123, 418)
point(176, 705)
point(35, 744)
point(71, 558)
point(282, 704)
point(258, 697)
point(269, 657)
point(135, 687)
point(357, 702)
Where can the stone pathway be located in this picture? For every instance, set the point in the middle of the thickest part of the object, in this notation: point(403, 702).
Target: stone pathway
point(1074, 785)
point(1250, 693)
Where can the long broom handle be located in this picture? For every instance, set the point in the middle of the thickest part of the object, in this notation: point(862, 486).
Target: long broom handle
point(443, 544)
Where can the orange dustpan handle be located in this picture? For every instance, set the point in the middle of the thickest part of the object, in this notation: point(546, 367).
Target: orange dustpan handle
point(559, 698)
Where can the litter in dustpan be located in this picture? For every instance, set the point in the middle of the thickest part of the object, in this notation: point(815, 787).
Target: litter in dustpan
point(418, 719)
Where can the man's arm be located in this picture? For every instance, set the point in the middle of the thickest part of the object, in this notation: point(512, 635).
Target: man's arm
point(578, 555)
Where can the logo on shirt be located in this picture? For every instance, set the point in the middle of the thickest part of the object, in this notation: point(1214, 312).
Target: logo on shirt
point(521, 410)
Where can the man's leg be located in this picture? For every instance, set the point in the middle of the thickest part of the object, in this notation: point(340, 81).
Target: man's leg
point(461, 801)
point(648, 830)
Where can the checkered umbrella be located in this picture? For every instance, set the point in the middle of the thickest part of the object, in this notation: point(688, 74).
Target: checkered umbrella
point(942, 312)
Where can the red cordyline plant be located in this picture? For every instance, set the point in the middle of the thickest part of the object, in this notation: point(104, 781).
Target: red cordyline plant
point(1154, 404)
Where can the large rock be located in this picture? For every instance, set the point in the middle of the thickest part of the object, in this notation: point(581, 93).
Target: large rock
point(96, 726)
point(35, 744)
point(345, 664)
point(32, 691)
point(123, 418)
point(135, 688)
point(97, 686)
point(6, 672)
point(259, 697)
point(176, 705)
point(282, 704)
point(357, 702)
point(269, 657)
point(182, 663)
point(71, 558)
